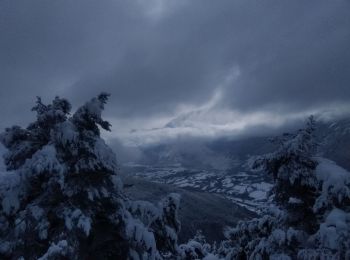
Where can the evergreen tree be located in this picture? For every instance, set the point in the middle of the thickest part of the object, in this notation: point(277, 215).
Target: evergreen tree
point(68, 201)
point(292, 167)
point(196, 248)
point(282, 228)
point(23, 143)
point(162, 221)
point(332, 207)
point(311, 216)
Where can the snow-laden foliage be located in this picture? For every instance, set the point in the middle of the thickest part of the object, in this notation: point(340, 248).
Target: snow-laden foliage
point(162, 221)
point(58, 250)
point(332, 240)
point(261, 238)
point(23, 143)
point(334, 184)
point(292, 167)
point(63, 198)
point(310, 218)
point(272, 236)
point(332, 207)
point(197, 248)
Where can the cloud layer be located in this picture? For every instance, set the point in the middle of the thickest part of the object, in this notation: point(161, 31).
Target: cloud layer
point(162, 59)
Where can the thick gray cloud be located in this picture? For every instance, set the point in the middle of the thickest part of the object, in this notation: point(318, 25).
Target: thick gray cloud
point(154, 56)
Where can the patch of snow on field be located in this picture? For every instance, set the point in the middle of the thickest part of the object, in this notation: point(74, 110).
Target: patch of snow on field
point(248, 189)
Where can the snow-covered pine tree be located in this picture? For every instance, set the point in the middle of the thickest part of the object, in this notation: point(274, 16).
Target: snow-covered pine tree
point(285, 226)
point(332, 207)
point(162, 221)
point(167, 225)
point(23, 143)
point(196, 248)
point(292, 167)
point(67, 202)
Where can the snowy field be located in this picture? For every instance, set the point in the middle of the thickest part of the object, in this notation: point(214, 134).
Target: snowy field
point(248, 189)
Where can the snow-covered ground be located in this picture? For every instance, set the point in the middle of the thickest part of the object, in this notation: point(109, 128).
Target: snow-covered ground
point(248, 189)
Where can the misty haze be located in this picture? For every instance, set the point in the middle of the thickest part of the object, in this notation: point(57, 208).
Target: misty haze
point(174, 129)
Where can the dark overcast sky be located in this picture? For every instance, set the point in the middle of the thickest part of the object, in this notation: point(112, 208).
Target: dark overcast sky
point(251, 60)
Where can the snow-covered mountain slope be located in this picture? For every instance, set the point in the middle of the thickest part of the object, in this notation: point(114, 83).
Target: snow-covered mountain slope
point(198, 210)
point(214, 166)
point(248, 189)
point(218, 165)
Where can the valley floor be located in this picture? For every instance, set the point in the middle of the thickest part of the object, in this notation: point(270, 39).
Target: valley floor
point(245, 188)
